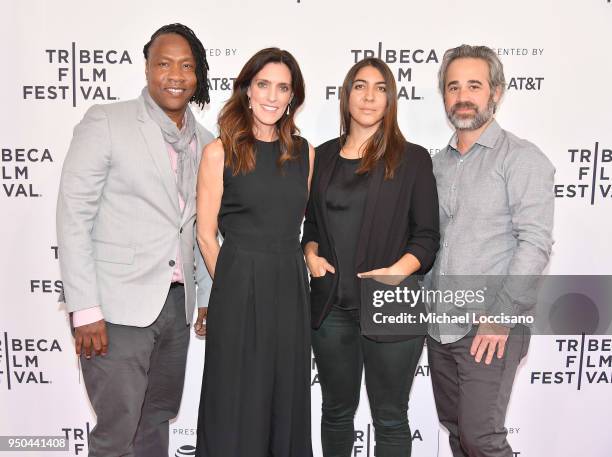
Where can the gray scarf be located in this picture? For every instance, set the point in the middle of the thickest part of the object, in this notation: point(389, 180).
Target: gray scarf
point(180, 141)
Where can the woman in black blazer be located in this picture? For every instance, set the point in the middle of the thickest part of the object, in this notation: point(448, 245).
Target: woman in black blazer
point(373, 210)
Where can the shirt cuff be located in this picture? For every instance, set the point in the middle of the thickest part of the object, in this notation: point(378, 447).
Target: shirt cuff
point(503, 306)
point(87, 316)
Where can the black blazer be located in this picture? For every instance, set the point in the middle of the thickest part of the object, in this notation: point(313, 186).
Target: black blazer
point(400, 216)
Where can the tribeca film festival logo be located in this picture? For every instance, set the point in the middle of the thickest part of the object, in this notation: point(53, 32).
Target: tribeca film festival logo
point(402, 59)
point(365, 444)
point(586, 361)
point(593, 179)
point(47, 286)
point(81, 75)
point(16, 172)
point(21, 360)
point(78, 438)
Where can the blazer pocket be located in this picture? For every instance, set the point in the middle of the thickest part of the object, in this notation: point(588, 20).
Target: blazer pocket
point(112, 253)
point(320, 289)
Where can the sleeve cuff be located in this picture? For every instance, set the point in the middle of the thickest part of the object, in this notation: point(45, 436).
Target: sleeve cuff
point(503, 305)
point(422, 256)
point(87, 316)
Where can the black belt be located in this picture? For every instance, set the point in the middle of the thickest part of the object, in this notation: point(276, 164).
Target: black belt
point(176, 284)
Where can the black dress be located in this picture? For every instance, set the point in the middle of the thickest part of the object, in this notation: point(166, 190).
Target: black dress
point(255, 399)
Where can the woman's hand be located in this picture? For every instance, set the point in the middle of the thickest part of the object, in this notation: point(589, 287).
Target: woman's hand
point(318, 266)
point(392, 276)
point(396, 273)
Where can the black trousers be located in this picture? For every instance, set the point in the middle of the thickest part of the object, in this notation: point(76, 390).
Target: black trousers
point(341, 354)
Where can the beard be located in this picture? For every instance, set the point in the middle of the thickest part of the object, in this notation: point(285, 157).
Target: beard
point(471, 121)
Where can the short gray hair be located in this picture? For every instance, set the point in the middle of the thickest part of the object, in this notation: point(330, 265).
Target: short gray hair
point(496, 69)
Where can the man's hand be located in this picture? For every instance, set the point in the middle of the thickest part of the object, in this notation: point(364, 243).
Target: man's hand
point(488, 337)
point(91, 336)
point(318, 266)
point(200, 324)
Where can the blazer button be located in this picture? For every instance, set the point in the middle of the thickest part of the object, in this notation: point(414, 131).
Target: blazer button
point(181, 230)
point(172, 263)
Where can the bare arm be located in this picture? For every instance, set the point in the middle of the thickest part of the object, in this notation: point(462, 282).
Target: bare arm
point(406, 265)
point(209, 192)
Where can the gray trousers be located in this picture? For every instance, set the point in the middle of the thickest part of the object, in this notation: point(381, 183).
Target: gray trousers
point(136, 388)
point(472, 398)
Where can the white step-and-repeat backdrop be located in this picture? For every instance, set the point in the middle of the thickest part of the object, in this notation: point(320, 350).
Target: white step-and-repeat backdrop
point(60, 57)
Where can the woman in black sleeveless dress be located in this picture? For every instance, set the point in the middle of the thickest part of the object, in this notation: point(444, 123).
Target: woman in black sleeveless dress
point(253, 188)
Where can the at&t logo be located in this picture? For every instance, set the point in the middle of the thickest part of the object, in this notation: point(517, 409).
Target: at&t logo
point(528, 83)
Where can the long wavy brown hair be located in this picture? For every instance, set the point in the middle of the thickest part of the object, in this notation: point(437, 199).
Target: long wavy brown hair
point(236, 119)
point(387, 143)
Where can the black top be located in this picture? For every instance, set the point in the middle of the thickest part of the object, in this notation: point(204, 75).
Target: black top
point(346, 196)
point(268, 202)
point(400, 216)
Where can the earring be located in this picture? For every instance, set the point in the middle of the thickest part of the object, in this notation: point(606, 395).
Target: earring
point(288, 106)
point(249, 102)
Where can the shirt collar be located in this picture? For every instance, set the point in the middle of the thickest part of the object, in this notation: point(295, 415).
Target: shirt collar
point(488, 138)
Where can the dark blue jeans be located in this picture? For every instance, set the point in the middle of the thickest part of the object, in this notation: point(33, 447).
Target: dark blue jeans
point(341, 354)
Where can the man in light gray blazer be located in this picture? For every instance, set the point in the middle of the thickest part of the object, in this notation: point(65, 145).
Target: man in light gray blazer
point(125, 226)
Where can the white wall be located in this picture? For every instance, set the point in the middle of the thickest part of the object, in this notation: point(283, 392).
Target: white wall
point(564, 43)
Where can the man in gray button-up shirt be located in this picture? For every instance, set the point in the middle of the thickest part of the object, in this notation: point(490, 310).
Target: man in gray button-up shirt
point(496, 216)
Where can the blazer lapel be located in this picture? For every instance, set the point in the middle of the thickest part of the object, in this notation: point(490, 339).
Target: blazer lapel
point(159, 154)
point(375, 181)
point(326, 171)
